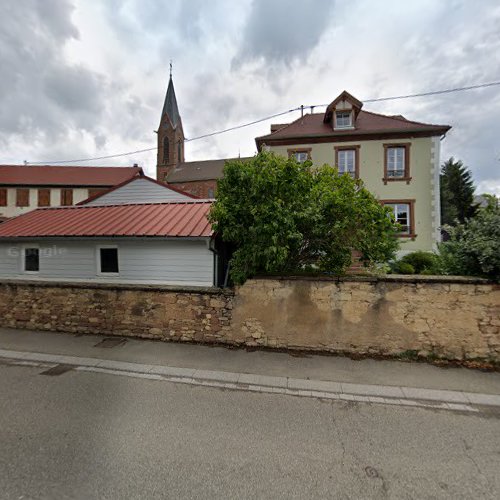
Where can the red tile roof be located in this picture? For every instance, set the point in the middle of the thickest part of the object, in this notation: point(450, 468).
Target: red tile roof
point(312, 126)
point(174, 219)
point(49, 175)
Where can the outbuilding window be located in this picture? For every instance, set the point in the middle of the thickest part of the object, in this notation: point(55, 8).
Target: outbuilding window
point(108, 260)
point(31, 259)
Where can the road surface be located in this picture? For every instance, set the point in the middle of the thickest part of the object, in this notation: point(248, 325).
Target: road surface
point(94, 435)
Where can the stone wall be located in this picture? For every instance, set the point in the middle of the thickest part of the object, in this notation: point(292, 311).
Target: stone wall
point(166, 313)
point(453, 318)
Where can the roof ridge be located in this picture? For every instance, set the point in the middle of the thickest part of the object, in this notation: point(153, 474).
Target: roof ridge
point(172, 202)
point(289, 124)
point(404, 120)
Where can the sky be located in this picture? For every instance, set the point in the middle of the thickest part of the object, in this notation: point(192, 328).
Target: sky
point(86, 78)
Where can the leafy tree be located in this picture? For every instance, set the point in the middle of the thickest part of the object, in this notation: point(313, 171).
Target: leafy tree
point(457, 192)
point(282, 216)
point(474, 247)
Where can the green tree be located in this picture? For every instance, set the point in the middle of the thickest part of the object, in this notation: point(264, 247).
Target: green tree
point(457, 192)
point(282, 216)
point(474, 247)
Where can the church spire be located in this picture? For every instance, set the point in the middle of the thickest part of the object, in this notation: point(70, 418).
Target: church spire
point(170, 135)
point(170, 107)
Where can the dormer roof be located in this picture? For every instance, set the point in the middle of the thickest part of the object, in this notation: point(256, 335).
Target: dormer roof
point(344, 96)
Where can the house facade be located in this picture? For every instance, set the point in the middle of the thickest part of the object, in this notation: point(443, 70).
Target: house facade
point(397, 159)
point(24, 188)
point(151, 243)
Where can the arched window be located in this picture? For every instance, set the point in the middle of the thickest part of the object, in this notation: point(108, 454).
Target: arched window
point(166, 152)
point(179, 150)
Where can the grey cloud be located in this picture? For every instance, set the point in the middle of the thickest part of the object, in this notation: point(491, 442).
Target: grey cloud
point(41, 95)
point(280, 31)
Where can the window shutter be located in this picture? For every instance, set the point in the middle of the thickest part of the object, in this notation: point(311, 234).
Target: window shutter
point(3, 197)
point(44, 197)
point(66, 197)
point(22, 197)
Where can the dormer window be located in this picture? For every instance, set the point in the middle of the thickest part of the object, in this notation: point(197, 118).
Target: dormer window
point(343, 119)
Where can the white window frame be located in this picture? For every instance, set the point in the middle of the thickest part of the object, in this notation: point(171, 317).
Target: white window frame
point(301, 156)
point(400, 169)
point(394, 207)
point(23, 258)
point(343, 168)
point(345, 112)
point(98, 260)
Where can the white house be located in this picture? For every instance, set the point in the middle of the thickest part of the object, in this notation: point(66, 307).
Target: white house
point(146, 243)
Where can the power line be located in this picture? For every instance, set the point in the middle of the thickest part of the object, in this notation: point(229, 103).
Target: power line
point(260, 120)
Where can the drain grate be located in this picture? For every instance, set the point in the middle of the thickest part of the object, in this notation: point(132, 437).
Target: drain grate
point(57, 370)
point(110, 342)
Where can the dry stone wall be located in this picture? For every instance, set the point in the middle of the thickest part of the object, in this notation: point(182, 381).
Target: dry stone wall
point(452, 318)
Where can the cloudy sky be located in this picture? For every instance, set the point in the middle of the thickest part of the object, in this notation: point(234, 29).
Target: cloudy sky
point(87, 78)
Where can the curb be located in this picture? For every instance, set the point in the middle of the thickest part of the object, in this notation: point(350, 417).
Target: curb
point(394, 395)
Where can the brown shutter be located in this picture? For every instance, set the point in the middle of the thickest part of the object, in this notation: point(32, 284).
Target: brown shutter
point(44, 197)
point(3, 197)
point(22, 197)
point(66, 197)
point(96, 191)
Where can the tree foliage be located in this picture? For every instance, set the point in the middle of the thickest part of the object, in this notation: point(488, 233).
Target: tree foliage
point(282, 216)
point(457, 192)
point(474, 247)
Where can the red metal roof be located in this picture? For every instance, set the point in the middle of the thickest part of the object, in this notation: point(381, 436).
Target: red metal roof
point(173, 219)
point(49, 175)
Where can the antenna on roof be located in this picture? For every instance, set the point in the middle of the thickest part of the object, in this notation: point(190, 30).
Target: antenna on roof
point(25, 163)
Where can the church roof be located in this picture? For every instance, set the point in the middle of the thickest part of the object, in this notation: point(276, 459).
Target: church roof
point(199, 170)
point(170, 107)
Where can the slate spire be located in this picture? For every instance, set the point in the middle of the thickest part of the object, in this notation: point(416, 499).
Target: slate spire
point(170, 107)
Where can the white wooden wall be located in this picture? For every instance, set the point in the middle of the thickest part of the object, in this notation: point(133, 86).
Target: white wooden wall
point(145, 261)
point(138, 191)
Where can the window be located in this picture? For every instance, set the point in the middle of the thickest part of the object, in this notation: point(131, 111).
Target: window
point(179, 150)
point(210, 192)
point(66, 197)
point(31, 258)
point(347, 160)
point(397, 162)
point(3, 197)
point(166, 150)
point(44, 197)
point(108, 260)
point(22, 197)
point(402, 211)
point(301, 155)
point(343, 119)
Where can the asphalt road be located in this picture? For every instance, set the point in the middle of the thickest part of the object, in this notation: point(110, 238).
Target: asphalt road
point(90, 435)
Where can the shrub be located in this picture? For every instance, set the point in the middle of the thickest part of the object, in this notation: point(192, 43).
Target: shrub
point(423, 261)
point(403, 268)
point(473, 247)
point(282, 216)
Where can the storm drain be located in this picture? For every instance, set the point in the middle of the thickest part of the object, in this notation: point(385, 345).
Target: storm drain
point(57, 370)
point(111, 342)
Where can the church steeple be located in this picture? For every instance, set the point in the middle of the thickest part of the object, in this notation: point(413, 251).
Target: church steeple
point(170, 134)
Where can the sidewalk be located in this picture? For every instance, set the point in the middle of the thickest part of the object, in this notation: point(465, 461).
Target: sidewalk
point(326, 376)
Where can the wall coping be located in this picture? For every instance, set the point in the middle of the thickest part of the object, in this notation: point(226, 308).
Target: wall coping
point(118, 286)
point(388, 278)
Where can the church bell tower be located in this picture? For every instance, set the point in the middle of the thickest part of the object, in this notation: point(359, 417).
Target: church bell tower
point(170, 135)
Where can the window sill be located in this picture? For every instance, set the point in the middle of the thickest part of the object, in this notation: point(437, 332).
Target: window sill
point(396, 179)
point(411, 236)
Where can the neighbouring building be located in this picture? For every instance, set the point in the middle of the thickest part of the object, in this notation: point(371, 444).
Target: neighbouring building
point(147, 243)
point(24, 188)
point(397, 159)
point(195, 177)
point(139, 189)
